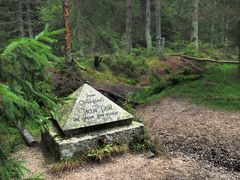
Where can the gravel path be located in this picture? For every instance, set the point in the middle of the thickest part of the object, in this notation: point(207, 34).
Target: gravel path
point(189, 133)
point(181, 126)
point(132, 167)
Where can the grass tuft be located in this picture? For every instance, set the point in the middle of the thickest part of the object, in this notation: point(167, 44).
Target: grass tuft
point(107, 151)
point(100, 154)
point(145, 143)
point(67, 164)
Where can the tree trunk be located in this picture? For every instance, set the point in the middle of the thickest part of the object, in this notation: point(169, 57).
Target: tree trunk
point(158, 27)
point(195, 17)
point(20, 18)
point(27, 137)
point(68, 55)
point(222, 25)
point(239, 60)
point(227, 4)
point(222, 30)
point(29, 19)
point(148, 24)
point(214, 5)
point(128, 47)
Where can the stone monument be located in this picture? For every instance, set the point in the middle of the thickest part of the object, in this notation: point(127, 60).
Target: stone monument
point(89, 119)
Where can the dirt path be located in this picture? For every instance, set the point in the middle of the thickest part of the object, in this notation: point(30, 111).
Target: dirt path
point(211, 135)
point(132, 167)
point(195, 132)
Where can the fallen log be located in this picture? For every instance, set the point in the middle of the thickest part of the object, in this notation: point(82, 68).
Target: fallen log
point(27, 137)
point(208, 60)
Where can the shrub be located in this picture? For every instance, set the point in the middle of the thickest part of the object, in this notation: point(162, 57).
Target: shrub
point(145, 143)
point(25, 95)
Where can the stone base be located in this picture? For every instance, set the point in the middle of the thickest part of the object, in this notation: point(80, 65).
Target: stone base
point(61, 147)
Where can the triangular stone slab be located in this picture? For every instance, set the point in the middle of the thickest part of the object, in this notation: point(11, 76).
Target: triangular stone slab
point(87, 107)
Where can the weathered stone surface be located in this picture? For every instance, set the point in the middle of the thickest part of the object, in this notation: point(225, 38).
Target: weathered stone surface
point(87, 107)
point(68, 147)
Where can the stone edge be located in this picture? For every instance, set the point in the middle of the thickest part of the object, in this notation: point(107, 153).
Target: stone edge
point(67, 147)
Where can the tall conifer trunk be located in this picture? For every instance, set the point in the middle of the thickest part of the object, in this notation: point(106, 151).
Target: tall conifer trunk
point(68, 33)
point(239, 60)
point(29, 19)
point(214, 5)
point(19, 15)
point(128, 45)
point(195, 23)
point(227, 4)
point(148, 24)
point(158, 26)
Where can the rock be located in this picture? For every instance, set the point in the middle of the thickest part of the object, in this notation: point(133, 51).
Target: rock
point(61, 147)
point(150, 155)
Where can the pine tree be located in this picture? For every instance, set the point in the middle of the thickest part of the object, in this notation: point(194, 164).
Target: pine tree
point(23, 89)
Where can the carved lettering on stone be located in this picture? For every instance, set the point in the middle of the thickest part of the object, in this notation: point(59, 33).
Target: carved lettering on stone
point(91, 108)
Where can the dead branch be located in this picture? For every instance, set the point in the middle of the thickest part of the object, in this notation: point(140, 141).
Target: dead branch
point(207, 60)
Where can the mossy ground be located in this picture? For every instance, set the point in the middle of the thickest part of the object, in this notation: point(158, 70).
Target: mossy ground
point(218, 88)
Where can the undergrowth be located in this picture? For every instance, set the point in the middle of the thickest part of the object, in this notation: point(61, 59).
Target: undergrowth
point(100, 154)
point(145, 143)
point(67, 164)
point(106, 151)
point(218, 88)
point(158, 85)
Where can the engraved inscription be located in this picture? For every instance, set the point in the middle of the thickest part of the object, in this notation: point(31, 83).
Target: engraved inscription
point(94, 108)
point(91, 108)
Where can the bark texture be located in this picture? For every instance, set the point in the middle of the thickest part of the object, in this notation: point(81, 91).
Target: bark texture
point(29, 19)
point(148, 24)
point(158, 27)
point(195, 18)
point(68, 33)
point(128, 47)
point(19, 15)
point(27, 137)
point(214, 5)
point(239, 60)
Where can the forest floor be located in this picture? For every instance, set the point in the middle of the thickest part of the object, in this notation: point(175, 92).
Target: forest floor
point(200, 143)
